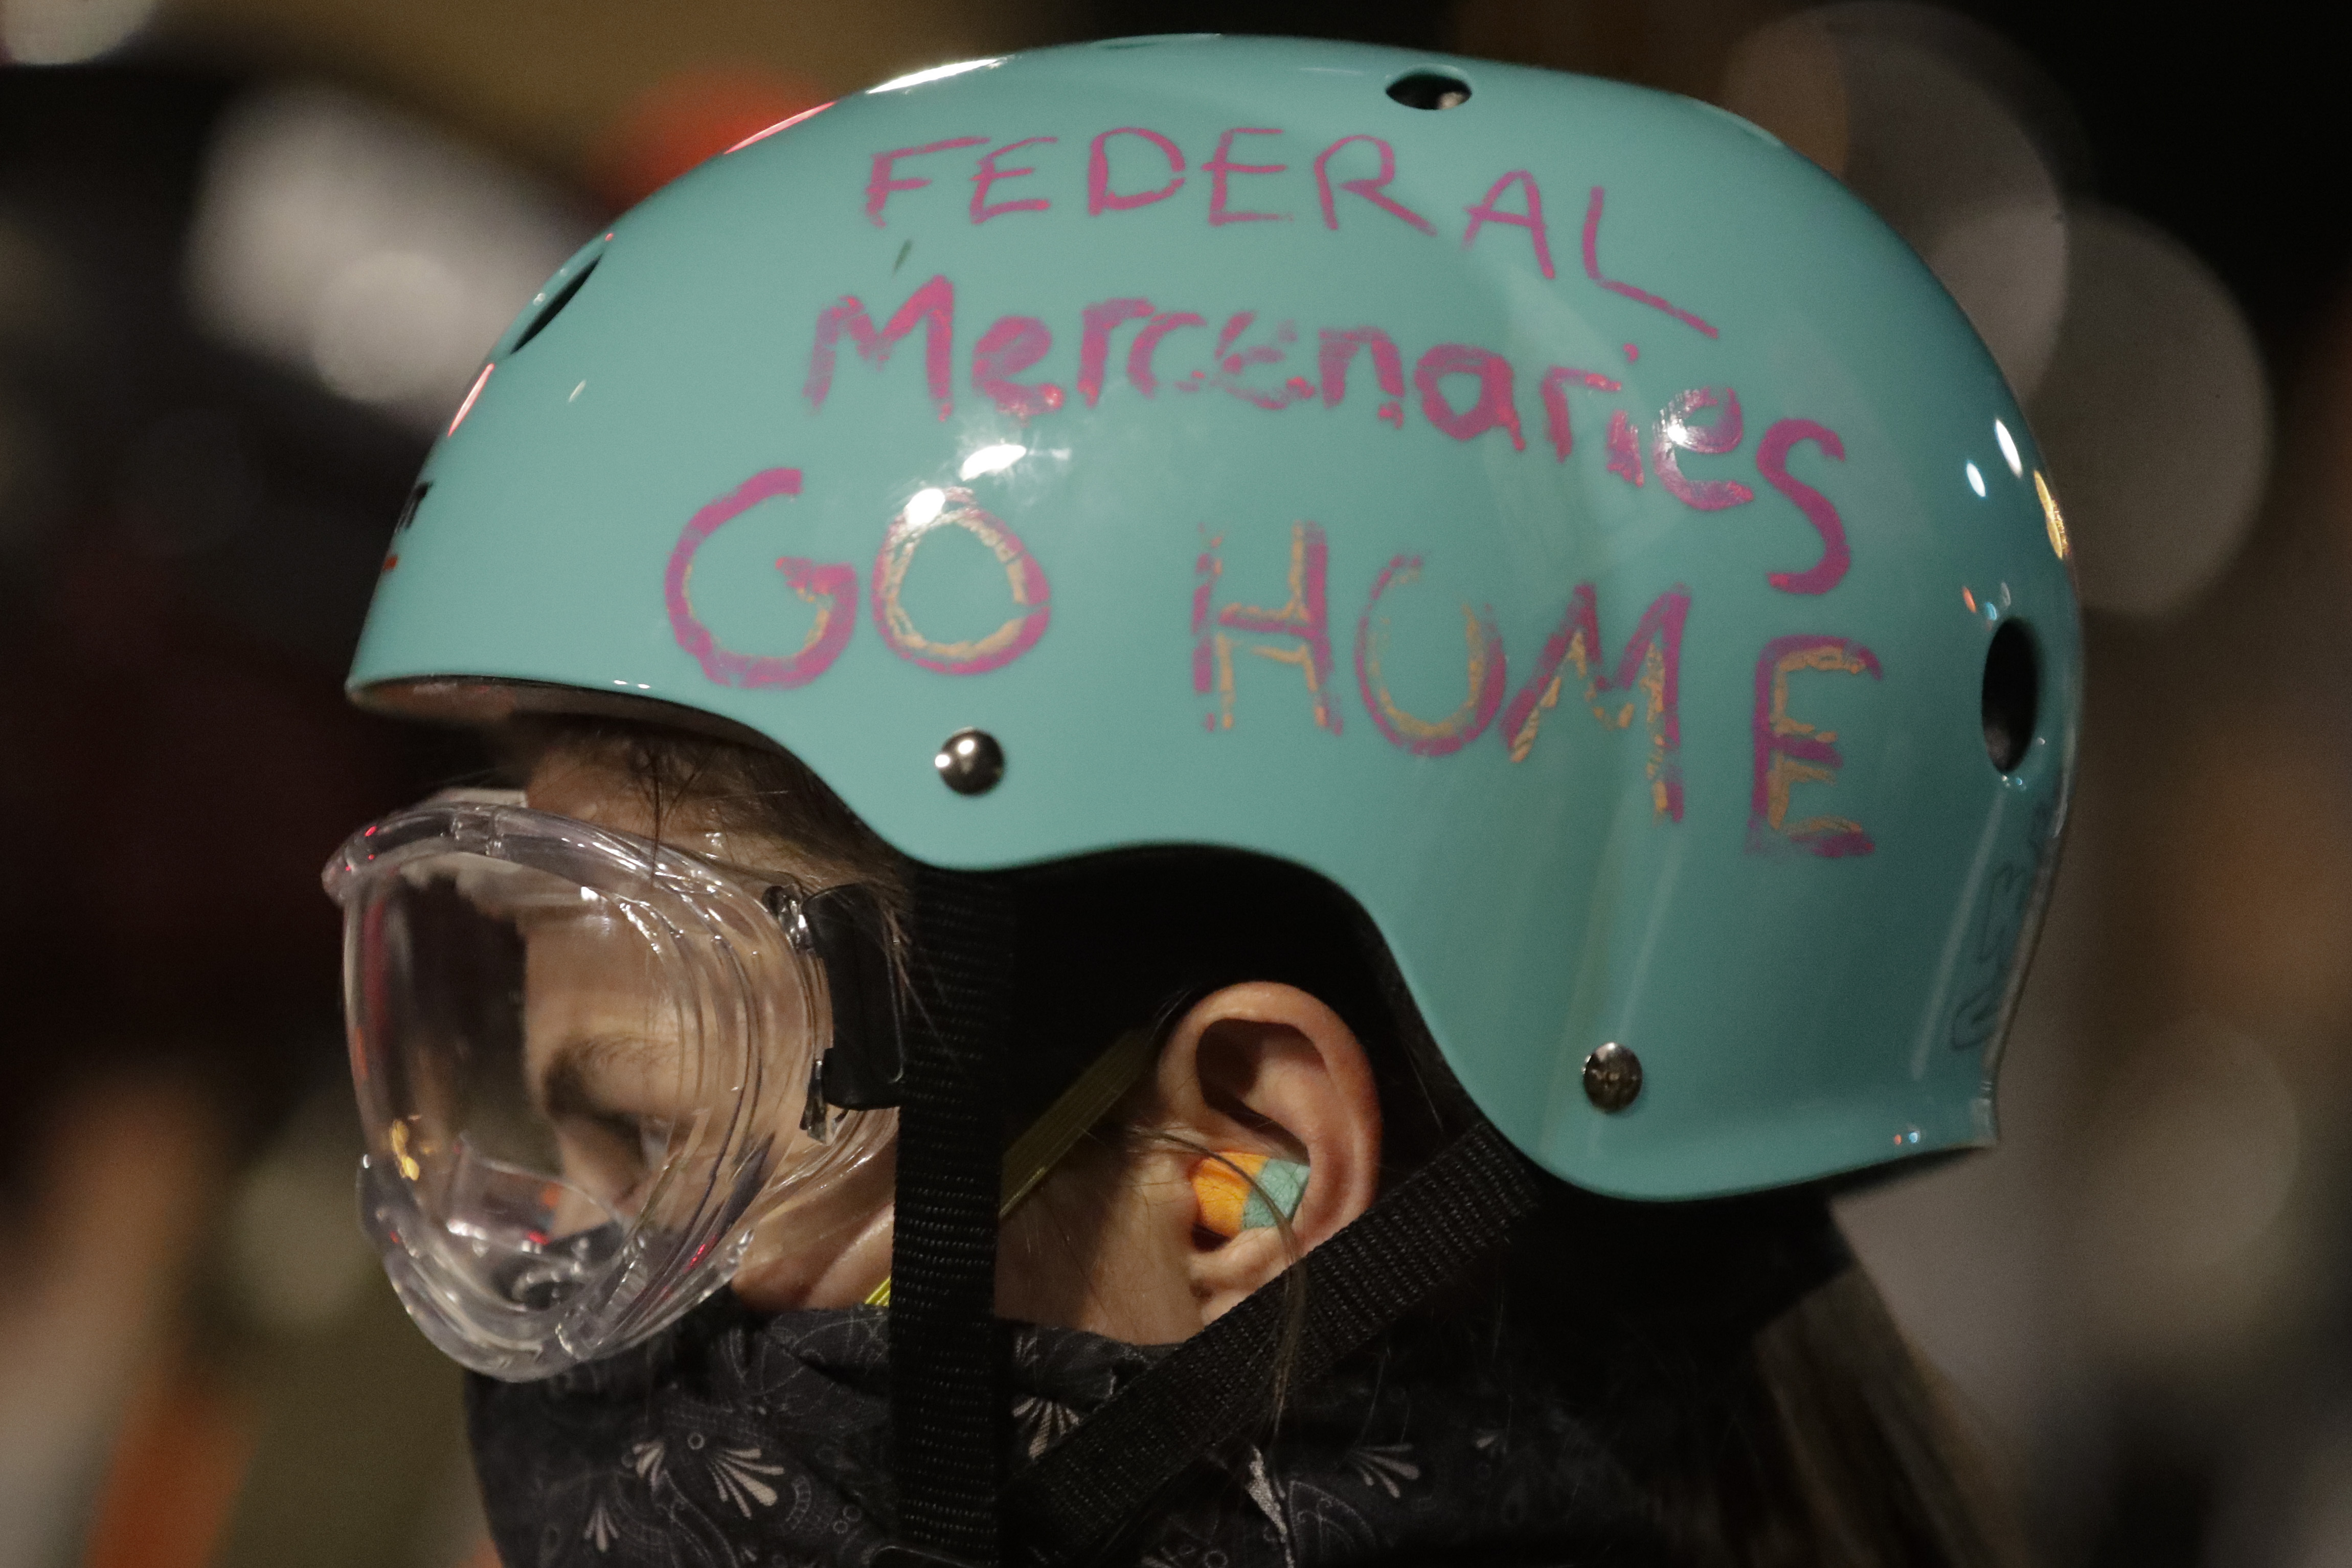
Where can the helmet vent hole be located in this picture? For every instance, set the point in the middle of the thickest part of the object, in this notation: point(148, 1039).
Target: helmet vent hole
point(554, 307)
point(1430, 89)
point(2012, 694)
point(408, 509)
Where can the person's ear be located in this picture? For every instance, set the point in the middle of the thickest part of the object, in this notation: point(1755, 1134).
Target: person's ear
point(1257, 1072)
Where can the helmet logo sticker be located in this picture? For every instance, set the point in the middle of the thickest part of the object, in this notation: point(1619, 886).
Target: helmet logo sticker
point(832, 589)
point(1304, 617)
point(1789, 752)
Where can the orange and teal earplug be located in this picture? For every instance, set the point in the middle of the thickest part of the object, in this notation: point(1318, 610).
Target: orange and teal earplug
point(1242, 1192)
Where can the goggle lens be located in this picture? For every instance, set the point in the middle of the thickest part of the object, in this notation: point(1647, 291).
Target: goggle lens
point(586, 1068)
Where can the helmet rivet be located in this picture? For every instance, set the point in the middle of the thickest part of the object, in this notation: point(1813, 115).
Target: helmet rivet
point(1612, 1077)
point(971, 762)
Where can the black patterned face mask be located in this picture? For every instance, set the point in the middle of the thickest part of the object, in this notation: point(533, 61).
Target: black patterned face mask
point(740, 1439)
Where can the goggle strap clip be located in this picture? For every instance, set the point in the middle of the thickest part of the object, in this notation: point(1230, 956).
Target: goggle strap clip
point(864, 1065)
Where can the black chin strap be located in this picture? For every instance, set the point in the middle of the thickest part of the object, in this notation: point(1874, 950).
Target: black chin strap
point(947, 1399)
point(1084, 1490)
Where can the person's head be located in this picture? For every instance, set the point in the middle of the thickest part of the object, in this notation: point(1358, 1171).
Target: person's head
point(1086, 884)
point(1757, 1390)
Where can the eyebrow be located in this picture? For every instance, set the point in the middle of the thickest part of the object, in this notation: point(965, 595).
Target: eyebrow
point(563, 1088)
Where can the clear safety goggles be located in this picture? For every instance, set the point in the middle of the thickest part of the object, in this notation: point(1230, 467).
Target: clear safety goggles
point(589, 1065)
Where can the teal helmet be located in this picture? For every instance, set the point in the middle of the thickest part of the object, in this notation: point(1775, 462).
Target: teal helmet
point(1552, 510)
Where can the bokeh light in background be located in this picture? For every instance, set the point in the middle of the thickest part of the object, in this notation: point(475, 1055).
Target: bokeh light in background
point(1883, 97)
point(2142, 378)
point(356, 244)
point(251, 258)
point(68, 32)
point(686, 118)
point(2156, 414)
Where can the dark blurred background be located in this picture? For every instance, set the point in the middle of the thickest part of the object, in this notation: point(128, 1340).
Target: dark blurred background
point(250, 253)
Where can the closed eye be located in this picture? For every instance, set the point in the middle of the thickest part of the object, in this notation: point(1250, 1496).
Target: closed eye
point(611, 1148)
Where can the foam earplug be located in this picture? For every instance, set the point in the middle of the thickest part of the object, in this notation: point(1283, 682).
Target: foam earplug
point(1242, 1192)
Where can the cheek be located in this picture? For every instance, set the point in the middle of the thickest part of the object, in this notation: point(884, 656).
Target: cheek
point(1104, 1250)
point(1148, 1255)
point(1147, 1262)
point(827, 1249)
point(1050, 1250)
